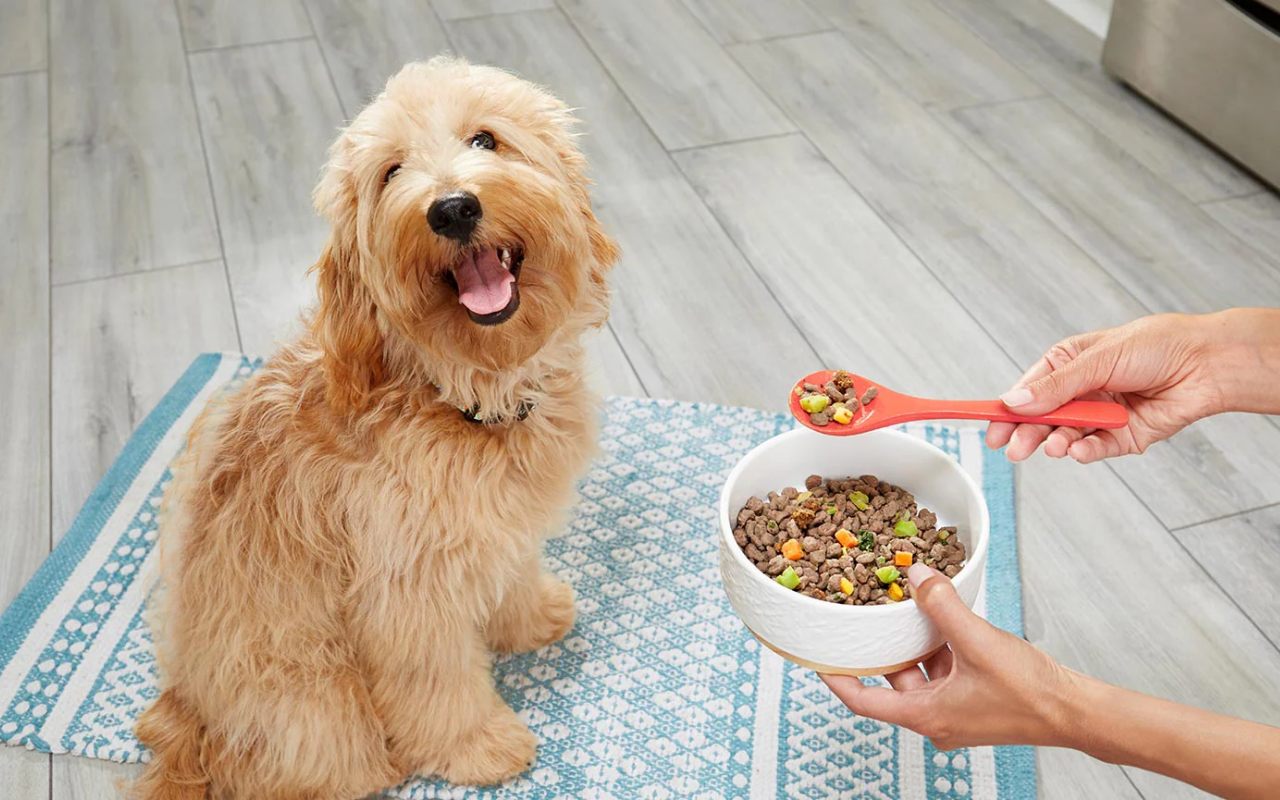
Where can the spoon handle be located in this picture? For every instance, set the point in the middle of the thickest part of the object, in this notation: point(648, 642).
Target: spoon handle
point(1075, 414)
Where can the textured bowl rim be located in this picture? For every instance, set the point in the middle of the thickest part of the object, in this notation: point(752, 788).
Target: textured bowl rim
point(977, 556)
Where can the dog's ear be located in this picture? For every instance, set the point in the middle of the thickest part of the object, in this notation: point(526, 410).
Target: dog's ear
point(345, 323)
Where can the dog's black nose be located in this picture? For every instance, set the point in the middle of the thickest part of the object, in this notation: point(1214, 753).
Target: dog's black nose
point(455, 215)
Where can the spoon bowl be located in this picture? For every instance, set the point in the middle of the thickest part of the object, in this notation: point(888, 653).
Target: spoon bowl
point(890, 407)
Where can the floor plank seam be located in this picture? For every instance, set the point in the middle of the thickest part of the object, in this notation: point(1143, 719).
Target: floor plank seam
point(708, 145)
point(751, 264)
point(208, 176)
point(241, 45)
point(627, 357)
point(782, 37)
point(586, 41)
point(1125, 772)
point(1042, 95)
point(20, 72)
point(324, 59)
point(1199, 565)
point(1222, 517)
point(1231, 197)
point(133, 273)
point(719, 224)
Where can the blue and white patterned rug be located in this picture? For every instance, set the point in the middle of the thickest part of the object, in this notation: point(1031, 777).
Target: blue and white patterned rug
point(658, 691)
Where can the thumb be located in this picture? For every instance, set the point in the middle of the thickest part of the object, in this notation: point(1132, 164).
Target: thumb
point(937, 598)
point(1078, 376)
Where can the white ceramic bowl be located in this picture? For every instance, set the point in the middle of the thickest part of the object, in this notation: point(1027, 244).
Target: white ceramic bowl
point(850, 640)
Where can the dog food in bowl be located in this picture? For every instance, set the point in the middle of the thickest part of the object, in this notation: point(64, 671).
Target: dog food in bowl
point(845, 540)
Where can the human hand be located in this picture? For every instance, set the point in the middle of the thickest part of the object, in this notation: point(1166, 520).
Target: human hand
point(1159, 367)
point(987, 687)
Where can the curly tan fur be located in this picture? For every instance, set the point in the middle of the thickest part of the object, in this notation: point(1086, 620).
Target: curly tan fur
point(341, 551)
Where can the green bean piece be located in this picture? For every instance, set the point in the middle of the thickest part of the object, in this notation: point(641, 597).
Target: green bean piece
point(788, 578)
point(888, 575)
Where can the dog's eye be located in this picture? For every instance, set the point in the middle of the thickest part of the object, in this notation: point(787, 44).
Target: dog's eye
point(483, 141)
point(390, 173)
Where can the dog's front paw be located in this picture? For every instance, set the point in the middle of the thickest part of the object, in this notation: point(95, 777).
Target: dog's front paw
point(545, 620)
point(501, 748)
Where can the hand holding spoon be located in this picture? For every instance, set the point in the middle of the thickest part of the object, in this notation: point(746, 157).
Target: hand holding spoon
point(892, 408)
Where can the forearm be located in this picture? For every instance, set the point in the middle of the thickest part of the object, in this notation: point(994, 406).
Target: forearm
point(1230, 757)
point(1242, 350)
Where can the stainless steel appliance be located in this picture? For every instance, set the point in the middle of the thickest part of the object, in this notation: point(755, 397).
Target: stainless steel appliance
point(1213, 64)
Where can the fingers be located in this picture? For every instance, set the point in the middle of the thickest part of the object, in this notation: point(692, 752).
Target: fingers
point(907, 679)
point(998, 434)
point(937, 598)
point(1025, 440)
point(876, 702)
point(1069, 369)
point(1097, 446)
point(938, 665)
point(1060, 440)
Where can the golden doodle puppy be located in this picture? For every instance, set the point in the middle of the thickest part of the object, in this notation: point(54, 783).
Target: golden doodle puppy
point(352, 534)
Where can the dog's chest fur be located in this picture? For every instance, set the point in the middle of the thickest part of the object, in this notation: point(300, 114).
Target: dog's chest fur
point(452, 512)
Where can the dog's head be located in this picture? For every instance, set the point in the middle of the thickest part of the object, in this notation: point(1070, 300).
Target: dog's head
point(463, 235)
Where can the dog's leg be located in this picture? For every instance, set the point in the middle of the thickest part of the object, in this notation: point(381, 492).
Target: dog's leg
point(444, 717)
point(536, 611)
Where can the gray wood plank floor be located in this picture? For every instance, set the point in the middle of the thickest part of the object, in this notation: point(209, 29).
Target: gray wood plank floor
point(760, 163)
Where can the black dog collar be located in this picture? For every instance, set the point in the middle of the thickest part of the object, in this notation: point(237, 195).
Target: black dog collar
point(522, 413)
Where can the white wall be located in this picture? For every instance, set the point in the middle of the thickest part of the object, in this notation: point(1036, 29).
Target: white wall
point(1093, 14)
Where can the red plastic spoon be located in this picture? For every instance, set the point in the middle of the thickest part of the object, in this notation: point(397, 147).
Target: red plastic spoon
point(892, 408)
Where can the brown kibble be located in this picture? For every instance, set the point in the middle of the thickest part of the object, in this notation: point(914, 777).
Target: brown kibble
point(763, 523)
point(869, 395)
point(842, 380)
point(821, 419)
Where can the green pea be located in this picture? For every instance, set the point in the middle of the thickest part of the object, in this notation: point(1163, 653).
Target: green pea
point(814, 403)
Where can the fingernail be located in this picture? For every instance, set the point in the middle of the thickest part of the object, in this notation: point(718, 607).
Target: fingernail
point(918, 573)
point(1017, 396)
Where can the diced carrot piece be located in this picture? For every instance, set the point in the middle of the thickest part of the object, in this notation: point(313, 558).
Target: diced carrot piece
point(793, 550)
point(846, 538)
point(901, 559)
point(895, 592)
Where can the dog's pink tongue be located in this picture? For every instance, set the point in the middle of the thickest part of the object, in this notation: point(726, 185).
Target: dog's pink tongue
point(484, 287)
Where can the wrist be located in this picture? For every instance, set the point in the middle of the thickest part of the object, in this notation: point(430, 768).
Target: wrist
point(1240, 350)
point(1075, 722)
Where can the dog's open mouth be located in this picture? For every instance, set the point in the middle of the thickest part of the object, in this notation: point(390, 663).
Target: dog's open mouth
point(487, 282)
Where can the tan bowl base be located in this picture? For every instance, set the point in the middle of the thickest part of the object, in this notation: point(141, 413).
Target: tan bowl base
point(827, 669)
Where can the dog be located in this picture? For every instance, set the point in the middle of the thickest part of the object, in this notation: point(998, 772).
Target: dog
point(352, 533)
